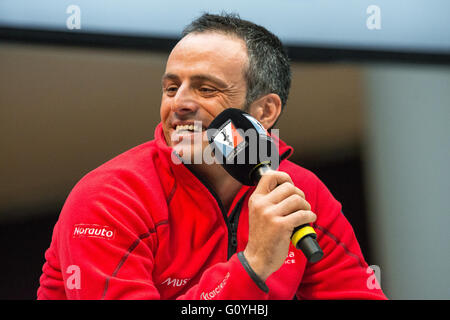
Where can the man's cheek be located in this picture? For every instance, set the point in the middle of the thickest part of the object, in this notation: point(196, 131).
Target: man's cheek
point(164, 110)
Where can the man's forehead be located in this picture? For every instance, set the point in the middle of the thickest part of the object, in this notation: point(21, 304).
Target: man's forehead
point(209, 52)
point(212, 43)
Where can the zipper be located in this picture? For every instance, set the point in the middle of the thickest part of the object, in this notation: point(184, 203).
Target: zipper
point(232, 242)
point(232, 221)
point(232, 224)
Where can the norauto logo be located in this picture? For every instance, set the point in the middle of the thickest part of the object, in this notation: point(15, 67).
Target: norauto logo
point(93, 230)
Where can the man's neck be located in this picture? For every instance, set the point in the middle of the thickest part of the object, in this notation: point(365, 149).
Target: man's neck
point(224, 185)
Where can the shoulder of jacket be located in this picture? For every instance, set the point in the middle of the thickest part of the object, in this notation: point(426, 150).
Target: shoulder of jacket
point(300, 175)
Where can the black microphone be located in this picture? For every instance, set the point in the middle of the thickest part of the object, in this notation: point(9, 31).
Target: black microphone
point(246, 151)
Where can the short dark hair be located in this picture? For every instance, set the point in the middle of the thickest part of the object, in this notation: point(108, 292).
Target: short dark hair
point(269, 70)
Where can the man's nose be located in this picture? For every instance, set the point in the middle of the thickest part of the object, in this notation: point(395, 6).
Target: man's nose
point(184, 101)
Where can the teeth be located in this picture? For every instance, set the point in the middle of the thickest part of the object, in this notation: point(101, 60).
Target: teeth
point(189, 127)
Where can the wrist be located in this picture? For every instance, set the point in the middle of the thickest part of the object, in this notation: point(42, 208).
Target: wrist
point(258, 267)
point(258, 281)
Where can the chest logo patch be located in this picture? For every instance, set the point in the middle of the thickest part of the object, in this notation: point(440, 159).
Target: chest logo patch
point(93, 231)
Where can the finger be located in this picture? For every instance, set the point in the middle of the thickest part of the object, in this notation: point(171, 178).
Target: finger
point(270, 180)
point(299, 218)
point(291, 204)
point(283, 191)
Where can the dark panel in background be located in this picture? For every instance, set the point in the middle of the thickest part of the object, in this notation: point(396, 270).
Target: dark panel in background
point(23, 246)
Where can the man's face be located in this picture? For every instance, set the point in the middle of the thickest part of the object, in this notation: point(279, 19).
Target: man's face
point(204, 75)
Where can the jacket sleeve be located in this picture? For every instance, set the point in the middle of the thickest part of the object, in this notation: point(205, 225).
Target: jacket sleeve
point(103, 248)
point(101, 245)
point(342, 273)
point(231, 280)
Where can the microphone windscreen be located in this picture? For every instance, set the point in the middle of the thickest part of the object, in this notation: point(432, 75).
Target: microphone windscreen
point(241, 144)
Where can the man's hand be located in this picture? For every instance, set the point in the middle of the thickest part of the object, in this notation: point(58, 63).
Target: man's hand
point(276, 207)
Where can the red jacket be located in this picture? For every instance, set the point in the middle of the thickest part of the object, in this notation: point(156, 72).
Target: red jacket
point(142, 227)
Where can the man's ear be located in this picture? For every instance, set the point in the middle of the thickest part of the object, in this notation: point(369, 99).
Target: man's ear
point(266, 109)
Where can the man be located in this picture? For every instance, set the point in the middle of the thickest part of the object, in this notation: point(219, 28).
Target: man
point(144, 226)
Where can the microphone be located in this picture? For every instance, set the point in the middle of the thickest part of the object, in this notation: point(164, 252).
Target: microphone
point(246, 151)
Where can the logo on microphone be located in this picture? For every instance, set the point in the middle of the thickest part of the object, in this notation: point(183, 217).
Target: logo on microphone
point(258, 126)
point(229, 141)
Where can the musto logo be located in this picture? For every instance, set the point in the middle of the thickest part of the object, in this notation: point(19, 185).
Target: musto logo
point(93, 230)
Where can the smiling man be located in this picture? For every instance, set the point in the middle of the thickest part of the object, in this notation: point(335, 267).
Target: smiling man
point(143, 226)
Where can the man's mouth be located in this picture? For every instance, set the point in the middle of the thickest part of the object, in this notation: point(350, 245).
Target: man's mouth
point(187, 133)
point(189, 128)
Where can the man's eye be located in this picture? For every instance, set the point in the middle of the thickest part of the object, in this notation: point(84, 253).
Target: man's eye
point(207, 89)
point(171, 89)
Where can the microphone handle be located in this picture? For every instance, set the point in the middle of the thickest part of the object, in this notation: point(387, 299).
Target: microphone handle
point(303, 237)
